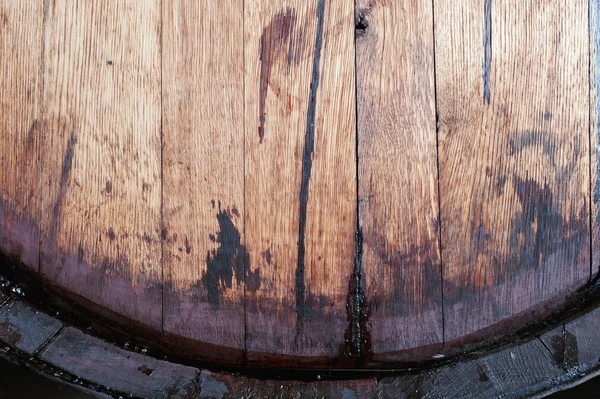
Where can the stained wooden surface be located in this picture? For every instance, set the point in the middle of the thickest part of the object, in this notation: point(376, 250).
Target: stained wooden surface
point(20, 85)
point(300, 175)
point(513, 156)
point(203, 173)
point(397, 173)
point(302, 183)
point(100, 140)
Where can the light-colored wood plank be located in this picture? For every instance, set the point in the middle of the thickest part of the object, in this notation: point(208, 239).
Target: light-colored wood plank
point(20, 84)
point(514, 162)
point(203, 173)
point(397, 173)
point(101, 159)
point(300, 174)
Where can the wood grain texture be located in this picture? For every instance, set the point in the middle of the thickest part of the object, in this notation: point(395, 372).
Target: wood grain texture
point(397, 173)
point(203, 173)
point(300, 174)
point(514, 171)
point(594, 65)
point(101, 159)
point(20, 71)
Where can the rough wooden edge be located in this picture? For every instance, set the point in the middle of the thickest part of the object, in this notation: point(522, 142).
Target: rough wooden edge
point(476, 375)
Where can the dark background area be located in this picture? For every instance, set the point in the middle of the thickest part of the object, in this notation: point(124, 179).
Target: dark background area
point(18, 382)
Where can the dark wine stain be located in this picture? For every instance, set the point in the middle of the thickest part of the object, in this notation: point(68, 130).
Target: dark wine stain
point(111, 234)
point(357, 337)
point(188, 246)
point(487, 49)
point(108, 187)
point(67, 164)
point(423, 259)
point(145, 369)
point(543, 229)
point(80, 254)
point(109, 63)
point(479, 240)
point(309, 146)
point(565, 350)
point(228, 260)
point(535, 139)
point(266, 255)
point(275, 38)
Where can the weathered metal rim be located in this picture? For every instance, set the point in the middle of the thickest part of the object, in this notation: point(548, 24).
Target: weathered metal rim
point(528, 351)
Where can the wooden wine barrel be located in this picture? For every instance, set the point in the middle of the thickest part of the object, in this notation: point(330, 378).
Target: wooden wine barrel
point(301, 183)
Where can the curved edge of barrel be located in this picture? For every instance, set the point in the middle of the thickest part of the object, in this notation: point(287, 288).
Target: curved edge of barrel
point(558, 359)
point(101, 322)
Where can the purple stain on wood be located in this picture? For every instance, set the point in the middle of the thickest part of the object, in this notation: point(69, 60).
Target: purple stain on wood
point(275, 37)
point(487, 49)
point(309, 147)
point(228, 260)
point(67, 164)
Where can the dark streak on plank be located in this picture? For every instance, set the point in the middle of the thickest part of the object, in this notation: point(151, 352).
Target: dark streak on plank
point(357, 337)
point(309, 145)
point(487, 50)
point(64, 177)
point(272, 41)
point(227, 260)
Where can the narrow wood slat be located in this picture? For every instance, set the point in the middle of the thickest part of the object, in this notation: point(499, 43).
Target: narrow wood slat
point(594, 15)
point(300, 175)
point(512, 97)
point(101, 158)
point(20, 70)
point(397, 173)
point(203, 175)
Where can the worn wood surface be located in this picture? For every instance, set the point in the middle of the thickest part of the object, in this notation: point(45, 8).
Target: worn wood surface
point(512, 97)
point(101, 180)
point(203, 174)
point(300, 175)
point(302, 182)
point(594, 77)
point(397, 173)
point(20, 85)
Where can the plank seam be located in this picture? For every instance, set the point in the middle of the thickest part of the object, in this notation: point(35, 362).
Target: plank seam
point(51, 339)
point(246, 265)
point(162, 226)
point(437, 162)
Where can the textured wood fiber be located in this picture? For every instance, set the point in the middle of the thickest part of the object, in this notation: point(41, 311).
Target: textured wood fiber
point(397, 173)
point(20, 28)
point(101, 180)
point(300, 174)
point(513, 156)
point(203, 173)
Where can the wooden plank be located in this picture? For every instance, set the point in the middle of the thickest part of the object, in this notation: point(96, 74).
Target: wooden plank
point(397, 173)
point(20, 70)
point(300, 174)
point(121, 371)
point(512, 98)
point(101, 159)
point(203, 175)
point(594, 14)
point(23, 328)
